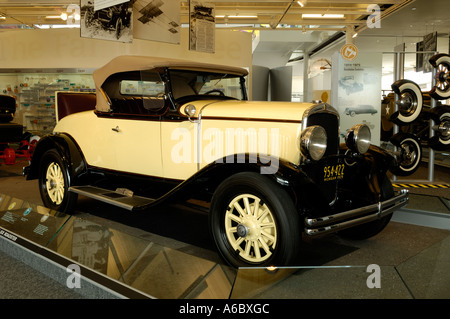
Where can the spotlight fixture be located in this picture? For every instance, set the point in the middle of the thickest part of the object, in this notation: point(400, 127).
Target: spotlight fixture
point(322, 16)
point(302, 3)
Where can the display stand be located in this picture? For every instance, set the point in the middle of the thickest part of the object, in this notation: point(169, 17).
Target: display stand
point(112, 263)
point(115, 264)
point(398, 75)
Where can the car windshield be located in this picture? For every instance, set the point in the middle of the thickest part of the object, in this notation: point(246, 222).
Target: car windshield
point(205, 84)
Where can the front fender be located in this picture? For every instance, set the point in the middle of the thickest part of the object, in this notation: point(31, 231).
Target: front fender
point(288, 175)
point(367, 173)
point(67, 148)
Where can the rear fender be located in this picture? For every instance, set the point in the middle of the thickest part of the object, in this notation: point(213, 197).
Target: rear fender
point(67, 148)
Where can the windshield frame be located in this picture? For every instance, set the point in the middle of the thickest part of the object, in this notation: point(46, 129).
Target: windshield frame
point(196, 95)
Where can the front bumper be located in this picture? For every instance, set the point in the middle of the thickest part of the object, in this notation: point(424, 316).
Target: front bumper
point(333, 223)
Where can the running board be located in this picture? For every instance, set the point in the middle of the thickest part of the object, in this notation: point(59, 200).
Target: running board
point(115, 198)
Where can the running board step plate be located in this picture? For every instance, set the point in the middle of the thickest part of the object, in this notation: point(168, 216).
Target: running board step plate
point(114, 198)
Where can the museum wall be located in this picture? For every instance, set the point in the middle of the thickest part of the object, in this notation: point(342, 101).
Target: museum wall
point(64, 48)
point(34, 64)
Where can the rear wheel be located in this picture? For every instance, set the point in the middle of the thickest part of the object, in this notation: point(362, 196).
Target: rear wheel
point(54, 182)
point(254, 222)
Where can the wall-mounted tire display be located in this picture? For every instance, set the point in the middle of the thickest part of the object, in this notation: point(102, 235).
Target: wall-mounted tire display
point(441, 91)
point(410, 102)
point(441, 140)
point(410, 154)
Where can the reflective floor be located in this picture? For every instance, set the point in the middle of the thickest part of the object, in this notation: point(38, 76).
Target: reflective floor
point(412, 261)
point(168, 252)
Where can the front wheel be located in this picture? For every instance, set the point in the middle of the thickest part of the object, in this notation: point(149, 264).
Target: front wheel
point(54, 182)
point(254, 222)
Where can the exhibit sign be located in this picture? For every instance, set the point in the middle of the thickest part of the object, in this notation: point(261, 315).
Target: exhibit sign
point(429, 46)
point(356, 91)
point(33, 222)
point(349, 52)
point(157, 20)
point(202, 25)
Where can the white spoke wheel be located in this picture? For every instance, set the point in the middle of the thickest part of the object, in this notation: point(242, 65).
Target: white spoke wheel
point(250, 228)
point(54, 183)
point(254, 222)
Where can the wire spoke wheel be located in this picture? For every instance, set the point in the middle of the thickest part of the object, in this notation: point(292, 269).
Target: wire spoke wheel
point(250, 228)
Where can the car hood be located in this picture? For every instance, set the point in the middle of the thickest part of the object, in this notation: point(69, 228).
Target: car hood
point(252, 110)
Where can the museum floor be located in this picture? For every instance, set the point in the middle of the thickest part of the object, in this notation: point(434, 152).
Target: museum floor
point(168, 253)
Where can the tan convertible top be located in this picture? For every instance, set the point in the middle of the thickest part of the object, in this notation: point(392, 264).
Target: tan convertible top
point(134, 63)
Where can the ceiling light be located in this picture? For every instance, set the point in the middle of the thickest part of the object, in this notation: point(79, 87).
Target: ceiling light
point(322, 16)
point(53, 17)
point(56, 26)
point(237, 16)
point(302, 3)
point(355, 35)
point(63, 16)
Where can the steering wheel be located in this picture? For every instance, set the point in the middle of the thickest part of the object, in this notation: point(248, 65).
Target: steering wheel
point(215, 91)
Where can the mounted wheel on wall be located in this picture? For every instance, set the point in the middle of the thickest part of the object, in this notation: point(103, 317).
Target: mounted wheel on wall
point(441, 140)
point(441, 91)
point(410, 154)
point(410, 102)
point(254, 221)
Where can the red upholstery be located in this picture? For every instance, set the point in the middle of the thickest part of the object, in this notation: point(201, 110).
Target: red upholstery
point(74, 102)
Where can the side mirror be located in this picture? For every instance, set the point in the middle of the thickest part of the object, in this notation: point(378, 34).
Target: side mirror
point(190, 111)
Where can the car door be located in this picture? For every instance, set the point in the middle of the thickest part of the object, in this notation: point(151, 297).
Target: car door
point(135, 124)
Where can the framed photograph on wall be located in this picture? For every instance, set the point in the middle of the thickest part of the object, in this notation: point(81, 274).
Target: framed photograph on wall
point(157, 20)
point(111, 23)
point(202, 26)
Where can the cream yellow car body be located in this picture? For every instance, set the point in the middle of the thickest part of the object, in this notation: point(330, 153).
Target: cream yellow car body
point(271, 171)
point(214, 132)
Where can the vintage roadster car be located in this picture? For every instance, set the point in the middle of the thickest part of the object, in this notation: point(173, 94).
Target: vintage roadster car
point(160, 130)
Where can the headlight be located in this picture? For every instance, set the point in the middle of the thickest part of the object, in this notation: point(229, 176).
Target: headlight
point(313, 142)
point(358, 138)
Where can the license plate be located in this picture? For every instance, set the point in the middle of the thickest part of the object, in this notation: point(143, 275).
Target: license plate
point(333, 172)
